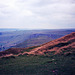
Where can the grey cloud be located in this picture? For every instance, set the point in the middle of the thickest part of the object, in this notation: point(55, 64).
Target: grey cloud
point(38, 13)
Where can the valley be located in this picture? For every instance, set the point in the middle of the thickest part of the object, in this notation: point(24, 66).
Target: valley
point(27, 38)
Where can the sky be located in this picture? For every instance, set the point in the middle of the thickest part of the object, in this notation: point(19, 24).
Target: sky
point(37, 14)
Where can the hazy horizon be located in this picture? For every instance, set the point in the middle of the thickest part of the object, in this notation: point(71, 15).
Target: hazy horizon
point(20, 29)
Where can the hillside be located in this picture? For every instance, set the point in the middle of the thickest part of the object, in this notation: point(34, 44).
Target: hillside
point(56, 57)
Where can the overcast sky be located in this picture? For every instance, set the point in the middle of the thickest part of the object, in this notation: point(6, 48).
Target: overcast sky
point(37, 14)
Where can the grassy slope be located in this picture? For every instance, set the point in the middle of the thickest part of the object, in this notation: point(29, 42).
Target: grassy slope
point(38, 65)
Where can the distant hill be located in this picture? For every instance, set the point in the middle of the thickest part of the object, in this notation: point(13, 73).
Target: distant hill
point(17, 38)
point(42, 37)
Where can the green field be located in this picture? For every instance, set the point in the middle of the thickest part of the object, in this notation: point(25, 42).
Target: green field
point(38, 65)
